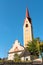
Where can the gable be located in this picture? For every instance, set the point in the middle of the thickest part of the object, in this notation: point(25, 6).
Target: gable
point(16, 47)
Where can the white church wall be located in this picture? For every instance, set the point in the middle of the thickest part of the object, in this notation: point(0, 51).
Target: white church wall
point(27, 58)
point(22, 58)
point(11, 56)
point(19, 53)
point(15, 48)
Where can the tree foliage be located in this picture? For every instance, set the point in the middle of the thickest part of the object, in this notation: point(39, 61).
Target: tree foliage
point(16, 57)
point(33, 47)
point(41, 47)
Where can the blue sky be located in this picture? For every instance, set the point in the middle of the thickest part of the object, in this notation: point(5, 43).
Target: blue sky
point(12, 15)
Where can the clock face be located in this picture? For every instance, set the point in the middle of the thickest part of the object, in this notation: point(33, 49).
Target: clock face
point(26, 25)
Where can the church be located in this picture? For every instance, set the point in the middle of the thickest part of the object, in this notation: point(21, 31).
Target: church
point(27, 37)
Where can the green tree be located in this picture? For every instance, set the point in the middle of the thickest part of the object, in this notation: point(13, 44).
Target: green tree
point(41, 47)
point(16, 57)
point(41, 50)
point(33, 48)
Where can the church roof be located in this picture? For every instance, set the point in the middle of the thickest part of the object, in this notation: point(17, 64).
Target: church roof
point(27, 15)
point(25, 53)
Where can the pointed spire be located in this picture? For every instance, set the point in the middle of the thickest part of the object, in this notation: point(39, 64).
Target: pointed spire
point(27, 13)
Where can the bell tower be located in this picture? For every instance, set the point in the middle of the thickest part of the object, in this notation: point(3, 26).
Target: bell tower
point(27, 29)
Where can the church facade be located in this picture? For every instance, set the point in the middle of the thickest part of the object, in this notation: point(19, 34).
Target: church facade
point(27, 37)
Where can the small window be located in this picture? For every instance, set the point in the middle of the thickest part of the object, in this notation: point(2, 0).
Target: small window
point(26, 25)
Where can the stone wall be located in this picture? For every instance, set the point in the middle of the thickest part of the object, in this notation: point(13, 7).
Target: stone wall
point(18, 63)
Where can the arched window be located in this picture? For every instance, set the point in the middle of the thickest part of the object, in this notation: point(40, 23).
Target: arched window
point(26, 25)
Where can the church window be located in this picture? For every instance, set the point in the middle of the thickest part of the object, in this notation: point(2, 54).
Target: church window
point(26, 25)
